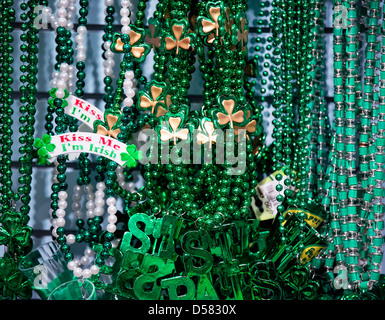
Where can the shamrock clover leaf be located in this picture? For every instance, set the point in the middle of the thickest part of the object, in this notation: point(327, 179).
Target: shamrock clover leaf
point(131, 156)
point(44, 146)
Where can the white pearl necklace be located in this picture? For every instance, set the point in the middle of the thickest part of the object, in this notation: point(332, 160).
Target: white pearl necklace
point(95, 207)
point(64, 78)
point(125, 12)
point(64, 14)
point(130, 83)
point(120, 179)
point(80, 43)
point(109, 63)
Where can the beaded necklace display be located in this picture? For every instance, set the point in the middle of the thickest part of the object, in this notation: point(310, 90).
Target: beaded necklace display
point(194, 220)
point(27, 109)
point(351, 234)
point(95, 209)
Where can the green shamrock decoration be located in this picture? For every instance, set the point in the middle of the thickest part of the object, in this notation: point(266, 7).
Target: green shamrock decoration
point(178, 37)
point(154, 33)
point(139, 47)
point(229, 112)
point(110, 126)
point(299, 286)
point(13, 284)
point(14, 233)
point(44, 147)
point(52, 94)
point(211, 25)
point(132, 156)
point(240, 31)
point(173, 128)
point(154, 98)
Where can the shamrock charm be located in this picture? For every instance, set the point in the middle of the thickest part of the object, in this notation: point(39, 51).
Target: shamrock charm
point(156, 99)
point(14, 233)
point(13, 284)
point(249, 128)
point(139, 48)
point(110, 126)
point(132, 156)
point(229, 21)
point(240, 31)
point(227, 115)
point(206, 133)
point(179, 37)
point(299, 286)
point(52, 94)
point(211, 26)
point(153, 33)
point(44, 146)
point(170, 130)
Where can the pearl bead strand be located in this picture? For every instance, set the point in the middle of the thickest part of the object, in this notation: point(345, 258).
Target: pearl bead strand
point(130, 83)
point(95, 207)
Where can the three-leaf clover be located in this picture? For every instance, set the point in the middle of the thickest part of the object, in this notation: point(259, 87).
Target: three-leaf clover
point(206, 133)
point(132, 156)
point(139, 48)
point(240, 31)
point(13, 232)
point(153, 34)
point(172, 129)
point(226, 114)
point(110, 126)
point(44, 147)
point(211, 25)
point(179, 36)
point(155, 99)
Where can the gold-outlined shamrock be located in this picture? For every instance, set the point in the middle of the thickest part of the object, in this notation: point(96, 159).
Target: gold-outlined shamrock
point(206, 132)
point(249, 128)
point(179, 36)
point(153, 33)
point(170, 129)
point(139, 48)
point(110, 126)
point(156, 98)
point(211, 26)
point(227, 115)
point(229, 21)
point(240, 31)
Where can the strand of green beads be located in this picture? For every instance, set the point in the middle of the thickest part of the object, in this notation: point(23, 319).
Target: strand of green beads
point(108, 98)
point(140, 13)
point(334, 254)
point(340, 159)
point(84, 163)
point(364, 110)
point(160, 58)
point(321, 119)
point(373, 240)
point(286, 145)
point(28, 111)
point(304, 46)
point(282, 27)
point(377, 240)
point(367, 141)
point(317, 139)
point(349, 226)
point(6, 103)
